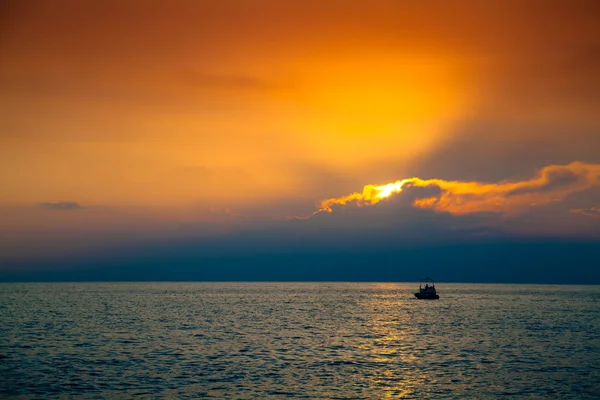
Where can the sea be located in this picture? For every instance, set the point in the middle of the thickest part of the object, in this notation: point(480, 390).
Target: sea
point(298, 340)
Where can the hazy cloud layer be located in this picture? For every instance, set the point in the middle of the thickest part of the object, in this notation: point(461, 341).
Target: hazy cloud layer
point(60, 206)
point(592, 212)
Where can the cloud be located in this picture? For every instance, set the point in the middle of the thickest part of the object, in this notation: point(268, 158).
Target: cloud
point(592, 212)
point(553, 178)
point(60, 206)
point(552, 183)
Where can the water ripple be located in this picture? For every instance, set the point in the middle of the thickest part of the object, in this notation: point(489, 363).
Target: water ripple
point(298, 340)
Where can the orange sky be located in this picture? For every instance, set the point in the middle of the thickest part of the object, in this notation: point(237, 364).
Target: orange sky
point(254, 103)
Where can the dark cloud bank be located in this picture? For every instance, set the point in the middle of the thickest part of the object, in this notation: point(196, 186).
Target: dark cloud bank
point(523, 261)
point(391, 241)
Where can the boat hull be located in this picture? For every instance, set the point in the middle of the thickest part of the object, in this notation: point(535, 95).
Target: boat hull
point(427, 296)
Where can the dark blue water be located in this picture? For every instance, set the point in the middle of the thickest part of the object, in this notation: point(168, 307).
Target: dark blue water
point(298, 340)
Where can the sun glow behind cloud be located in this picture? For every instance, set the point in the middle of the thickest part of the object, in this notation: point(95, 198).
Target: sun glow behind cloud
point(371, 194)
point(551, 184)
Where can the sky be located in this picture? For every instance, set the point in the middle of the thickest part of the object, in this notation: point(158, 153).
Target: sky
point(300, 140)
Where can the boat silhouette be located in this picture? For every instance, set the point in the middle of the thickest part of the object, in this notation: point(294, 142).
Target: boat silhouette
point(428, 291)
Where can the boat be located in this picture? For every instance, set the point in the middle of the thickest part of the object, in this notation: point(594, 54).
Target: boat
point(428, 291)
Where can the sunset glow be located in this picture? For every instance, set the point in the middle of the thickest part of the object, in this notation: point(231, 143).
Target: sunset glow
point(139, 123)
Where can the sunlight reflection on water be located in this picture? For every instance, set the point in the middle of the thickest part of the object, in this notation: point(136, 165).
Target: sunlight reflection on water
point(300, 340)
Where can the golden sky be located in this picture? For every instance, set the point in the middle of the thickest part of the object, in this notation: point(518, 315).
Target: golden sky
point(273, 106)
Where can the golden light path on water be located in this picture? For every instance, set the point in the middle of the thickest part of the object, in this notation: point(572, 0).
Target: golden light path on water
point(390, 343)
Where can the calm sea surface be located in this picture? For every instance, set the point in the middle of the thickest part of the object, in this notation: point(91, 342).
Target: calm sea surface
point(298, 340)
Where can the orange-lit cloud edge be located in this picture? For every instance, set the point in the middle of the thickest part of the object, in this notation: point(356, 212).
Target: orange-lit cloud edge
point(551, 184)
